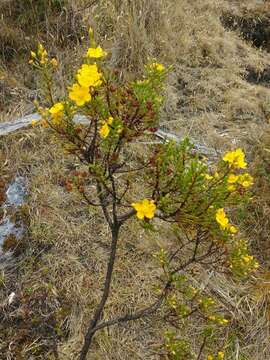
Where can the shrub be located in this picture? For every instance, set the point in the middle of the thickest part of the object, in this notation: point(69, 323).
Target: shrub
point(165, 186)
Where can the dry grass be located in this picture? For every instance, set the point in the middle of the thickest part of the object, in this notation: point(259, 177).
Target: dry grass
point(58, 275)
point(257, 218)
point(24, 23)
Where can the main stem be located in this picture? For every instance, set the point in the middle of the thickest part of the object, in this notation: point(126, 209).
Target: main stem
point(107, 285)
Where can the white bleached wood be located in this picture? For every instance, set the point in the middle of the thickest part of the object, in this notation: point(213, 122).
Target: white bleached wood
point(25, 121)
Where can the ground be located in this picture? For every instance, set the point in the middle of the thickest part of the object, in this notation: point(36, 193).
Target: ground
point(217, 93)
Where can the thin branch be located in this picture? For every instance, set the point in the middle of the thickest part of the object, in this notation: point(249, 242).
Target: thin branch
point(131, 317)
point(201, 348)
point(123, 218)
point(106, 291)
point(104, 205)
point(88, 200)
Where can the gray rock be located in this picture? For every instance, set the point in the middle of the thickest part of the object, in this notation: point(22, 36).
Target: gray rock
point(24, 122)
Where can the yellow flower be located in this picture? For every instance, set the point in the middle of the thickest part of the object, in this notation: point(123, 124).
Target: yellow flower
point(232, 179)
point(223, 221)
point(208, 177)
point(42, 54)
point(158, 67)
point(233, 229)
point(236, 159)
point(34, 122)
point(96, 53)
point(231, 187)
point(223, 321)
point(210, 357)
point(105, 129)
point(110, 120)
point(247, 258)
point(57, 110)
point(41, 49)
point(220, 355)
point(221, 218)
point(79, 94)
point(245, 180)
point(54, 62)
point(145, 208)
point(88, 76)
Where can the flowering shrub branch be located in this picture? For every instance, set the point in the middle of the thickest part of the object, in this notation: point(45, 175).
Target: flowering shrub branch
point(180, 190)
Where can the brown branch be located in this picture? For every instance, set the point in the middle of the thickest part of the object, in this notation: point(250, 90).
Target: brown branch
point(201, 348)
point(131, 317)
point(91, 148)
point(115, 198)
point(115, 227)
point(123, 218)
point(106, 291)
point(89, 202)
point(103, 204)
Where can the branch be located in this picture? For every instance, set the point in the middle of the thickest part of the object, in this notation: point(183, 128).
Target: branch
point(88, 200)
point(115, 227)
point(104, 205)
point(201, 348)
point(130, 317)
point(123, 218)
point(106, 291)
